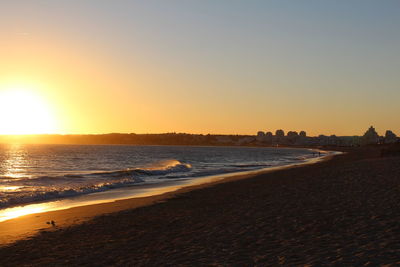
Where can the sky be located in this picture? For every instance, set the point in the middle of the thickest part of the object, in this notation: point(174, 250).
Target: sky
point(222, 67)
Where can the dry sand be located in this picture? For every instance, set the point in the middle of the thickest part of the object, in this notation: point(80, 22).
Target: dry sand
point(343, 212)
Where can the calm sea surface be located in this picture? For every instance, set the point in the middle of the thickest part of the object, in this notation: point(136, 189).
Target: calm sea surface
point(30, 173)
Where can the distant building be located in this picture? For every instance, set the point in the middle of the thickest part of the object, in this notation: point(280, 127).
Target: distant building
point(301, 139)
point(390, 137)
point(280, 133)
point(269, 137)
point(292, 134)
point(370, 137)
point(260, 136)
point(292, 137)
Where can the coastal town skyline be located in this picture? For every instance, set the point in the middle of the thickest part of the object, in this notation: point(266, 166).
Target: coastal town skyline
point(261, 138)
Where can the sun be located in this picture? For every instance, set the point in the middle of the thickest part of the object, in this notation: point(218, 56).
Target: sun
point(24, 112)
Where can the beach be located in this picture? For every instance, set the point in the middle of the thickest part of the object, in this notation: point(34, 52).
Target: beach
point(343, 211)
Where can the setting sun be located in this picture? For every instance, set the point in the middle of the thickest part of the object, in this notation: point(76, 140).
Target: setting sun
point(24, 112)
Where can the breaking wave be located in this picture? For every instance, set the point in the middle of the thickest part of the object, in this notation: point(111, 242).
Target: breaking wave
point(53, 187)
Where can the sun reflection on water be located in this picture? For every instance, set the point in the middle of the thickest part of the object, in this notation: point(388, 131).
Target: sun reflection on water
point(9, 188)
point(13, 161)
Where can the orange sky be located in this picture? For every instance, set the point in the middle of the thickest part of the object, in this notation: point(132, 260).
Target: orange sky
point(145, 68)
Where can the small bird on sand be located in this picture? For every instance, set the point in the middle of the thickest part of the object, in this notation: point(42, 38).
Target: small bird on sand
point(53, 223)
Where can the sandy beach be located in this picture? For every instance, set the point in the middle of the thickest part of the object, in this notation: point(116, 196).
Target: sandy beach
point(68, 212)
point(343, 211)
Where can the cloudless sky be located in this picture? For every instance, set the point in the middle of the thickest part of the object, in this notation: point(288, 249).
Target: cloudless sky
point(327, 67)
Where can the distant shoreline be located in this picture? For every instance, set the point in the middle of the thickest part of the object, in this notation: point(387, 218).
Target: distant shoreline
point(292, 139)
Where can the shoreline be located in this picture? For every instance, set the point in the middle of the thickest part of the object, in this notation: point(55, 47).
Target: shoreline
point(342, 211)
point(149, 186)
point(29, 225)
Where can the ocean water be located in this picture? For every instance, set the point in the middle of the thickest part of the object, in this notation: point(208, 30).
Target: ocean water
point(32, 173)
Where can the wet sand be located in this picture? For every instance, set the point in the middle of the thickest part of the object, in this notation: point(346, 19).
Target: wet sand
point(344, 211)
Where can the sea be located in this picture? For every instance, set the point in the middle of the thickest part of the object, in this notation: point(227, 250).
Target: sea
point(40, 173)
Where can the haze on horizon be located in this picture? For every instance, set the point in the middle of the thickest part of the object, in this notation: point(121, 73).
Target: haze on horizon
point(226, 67)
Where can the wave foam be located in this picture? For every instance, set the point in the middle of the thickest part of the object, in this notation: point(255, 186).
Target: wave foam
point(54, 187)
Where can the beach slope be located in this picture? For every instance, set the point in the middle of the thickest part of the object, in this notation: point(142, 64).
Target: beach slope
point(341, 212)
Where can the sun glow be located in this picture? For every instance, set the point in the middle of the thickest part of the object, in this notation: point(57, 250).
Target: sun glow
point(24, 112)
